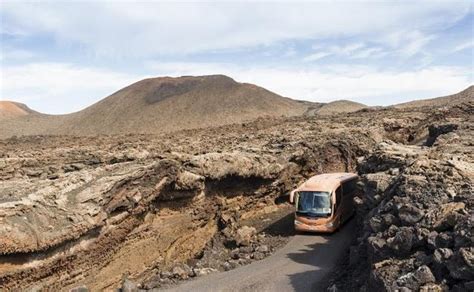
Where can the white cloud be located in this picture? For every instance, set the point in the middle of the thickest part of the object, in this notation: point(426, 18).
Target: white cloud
point(408, 43)
point(148, 28)
point(290, 52)
point(59, 88)
point(463, 46)
point(357, 50)
point(8, 54)
point(397, 44)
point(316, 56)
point(348, 49)
point(371, 52)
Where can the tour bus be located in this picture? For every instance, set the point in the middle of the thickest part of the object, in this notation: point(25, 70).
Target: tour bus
point(324, 202)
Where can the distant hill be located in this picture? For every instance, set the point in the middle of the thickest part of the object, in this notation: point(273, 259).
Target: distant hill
point(166, 104)
point(463, 96)
point(162, 104)
point(339, 106)
point(10, 109)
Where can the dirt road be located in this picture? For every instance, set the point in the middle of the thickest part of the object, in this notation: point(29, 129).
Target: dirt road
point(299, 266)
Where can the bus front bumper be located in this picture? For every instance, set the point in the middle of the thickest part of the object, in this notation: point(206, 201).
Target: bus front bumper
point(323, 228)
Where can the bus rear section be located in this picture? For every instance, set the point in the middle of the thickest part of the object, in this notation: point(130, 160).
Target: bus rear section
point(324, 202)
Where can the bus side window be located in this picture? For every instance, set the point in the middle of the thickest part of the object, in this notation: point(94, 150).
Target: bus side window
point(338, 197)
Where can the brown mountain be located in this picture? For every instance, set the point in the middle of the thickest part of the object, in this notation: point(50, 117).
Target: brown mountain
point(460, 97)
point(10, 109)
point(162, 104)
point(165, 104)
point(339, 106)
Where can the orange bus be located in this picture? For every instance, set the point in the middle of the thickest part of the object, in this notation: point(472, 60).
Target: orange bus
point(324, 202)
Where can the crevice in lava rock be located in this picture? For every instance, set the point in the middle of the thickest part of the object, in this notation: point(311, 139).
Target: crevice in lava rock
point(234, 185)
point(437, 130)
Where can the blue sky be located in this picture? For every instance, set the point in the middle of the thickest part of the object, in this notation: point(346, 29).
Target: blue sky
point(59, 57)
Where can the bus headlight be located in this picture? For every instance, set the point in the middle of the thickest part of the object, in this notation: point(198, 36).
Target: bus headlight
point(330, 224)
point(298, 222)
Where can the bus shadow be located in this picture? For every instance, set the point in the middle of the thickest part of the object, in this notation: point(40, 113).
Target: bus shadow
point(282, 227)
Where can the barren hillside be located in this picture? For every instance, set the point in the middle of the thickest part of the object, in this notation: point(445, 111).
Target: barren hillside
point(460, 97)
point(340, 106)
point(10, 109)
point(165, 104)
point(159, 105)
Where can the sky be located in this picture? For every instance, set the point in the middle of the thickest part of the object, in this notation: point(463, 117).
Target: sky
point(59, 57)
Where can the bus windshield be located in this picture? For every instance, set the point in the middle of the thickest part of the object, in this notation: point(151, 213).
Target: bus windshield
point(317, 204)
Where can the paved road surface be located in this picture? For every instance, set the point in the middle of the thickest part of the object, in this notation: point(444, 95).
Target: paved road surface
point(298, 266)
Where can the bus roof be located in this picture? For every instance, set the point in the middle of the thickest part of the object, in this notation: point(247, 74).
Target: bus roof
point(326, 182)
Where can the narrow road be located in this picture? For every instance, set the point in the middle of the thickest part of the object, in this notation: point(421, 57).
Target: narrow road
point(299, 266)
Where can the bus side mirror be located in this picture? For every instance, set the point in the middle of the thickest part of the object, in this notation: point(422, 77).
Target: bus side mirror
point(292, 197)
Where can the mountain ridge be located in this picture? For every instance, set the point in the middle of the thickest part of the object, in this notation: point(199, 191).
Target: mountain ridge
point(162, 104)
point(166, 104)
point(462, 96)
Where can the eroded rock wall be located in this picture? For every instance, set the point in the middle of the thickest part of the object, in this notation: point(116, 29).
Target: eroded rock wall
point(416, 217)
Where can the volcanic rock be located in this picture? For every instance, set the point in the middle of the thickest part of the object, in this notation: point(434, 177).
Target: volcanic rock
point(244, 235)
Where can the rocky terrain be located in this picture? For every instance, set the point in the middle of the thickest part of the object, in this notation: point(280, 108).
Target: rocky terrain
point(416, 218)
point(90, 210)
point(150, 210)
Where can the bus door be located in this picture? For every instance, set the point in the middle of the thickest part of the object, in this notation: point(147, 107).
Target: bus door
point(339, 206)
